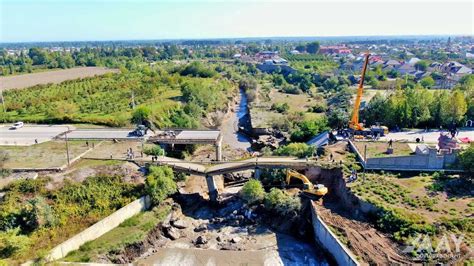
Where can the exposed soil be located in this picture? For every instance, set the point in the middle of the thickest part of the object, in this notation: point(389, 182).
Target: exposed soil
point(344, 212)
point(54, 76)
point(362, 239)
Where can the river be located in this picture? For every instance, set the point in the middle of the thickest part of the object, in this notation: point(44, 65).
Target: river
point(230, 125)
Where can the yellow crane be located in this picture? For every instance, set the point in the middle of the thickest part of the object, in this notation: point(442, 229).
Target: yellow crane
point(356, 127)
point(354, 123)
point(308, 187)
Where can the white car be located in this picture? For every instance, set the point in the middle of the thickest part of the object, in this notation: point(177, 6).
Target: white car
point(17, 125)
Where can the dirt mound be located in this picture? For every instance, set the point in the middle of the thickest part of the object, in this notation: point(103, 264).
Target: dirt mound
point(363, 240)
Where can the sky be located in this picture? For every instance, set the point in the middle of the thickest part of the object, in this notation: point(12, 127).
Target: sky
point(87, 20)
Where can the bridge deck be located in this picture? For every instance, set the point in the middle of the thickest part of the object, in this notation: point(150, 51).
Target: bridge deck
point(234, 166)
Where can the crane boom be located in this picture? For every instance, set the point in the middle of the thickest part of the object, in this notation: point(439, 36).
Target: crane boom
point(354, 123)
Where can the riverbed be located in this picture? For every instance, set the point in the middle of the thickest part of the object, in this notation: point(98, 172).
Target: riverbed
point(230, 125)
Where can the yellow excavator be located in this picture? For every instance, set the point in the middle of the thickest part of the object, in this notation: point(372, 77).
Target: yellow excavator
point(308, 188)
point(355, 127)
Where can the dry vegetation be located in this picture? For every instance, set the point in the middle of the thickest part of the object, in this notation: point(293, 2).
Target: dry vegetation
point(45, 155)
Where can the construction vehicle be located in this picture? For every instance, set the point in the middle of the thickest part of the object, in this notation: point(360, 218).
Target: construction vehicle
point(309, 189)
point(356, 128)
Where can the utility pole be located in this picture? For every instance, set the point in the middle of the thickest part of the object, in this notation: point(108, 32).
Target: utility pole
point(133, 100)
point(67, 147)
point(365, 163)
point(3, 103)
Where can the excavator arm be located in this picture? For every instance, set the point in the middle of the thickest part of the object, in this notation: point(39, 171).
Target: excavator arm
point(309, 189)
point(354, 123)
point(293, 174)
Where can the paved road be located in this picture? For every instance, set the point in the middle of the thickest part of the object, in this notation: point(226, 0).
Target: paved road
point(102, 134)
point(428, 137)
point(27, 135)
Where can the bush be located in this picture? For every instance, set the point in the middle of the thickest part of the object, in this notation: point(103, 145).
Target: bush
point(308, 128)
point(318, 108)
point(299, 150)
point(282, 203)
point(280, 107)
point(252, 191)
point(197, 69)
point(160, 183)
point(154, 151)
point(466, 158)
point(12, 243)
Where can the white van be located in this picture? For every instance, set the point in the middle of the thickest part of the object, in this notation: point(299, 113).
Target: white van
point(17, 125)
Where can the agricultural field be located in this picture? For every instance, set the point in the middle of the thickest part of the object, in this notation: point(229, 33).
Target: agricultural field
point(312, 63)
point(175, 97)
point(51, 76)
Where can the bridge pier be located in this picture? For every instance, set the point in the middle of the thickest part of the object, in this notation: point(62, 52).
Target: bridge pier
point(211, 185)
point(219, 151)
point(257, 173)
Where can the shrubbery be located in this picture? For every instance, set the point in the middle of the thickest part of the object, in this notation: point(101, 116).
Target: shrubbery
point(252, 191)
point(296, 149)
point(12, 243)
point(466, 158)
point(33, 216)
point(154, 151)
point(280, 202)
point(280, 107)
point(308, 128)
point(160, 183)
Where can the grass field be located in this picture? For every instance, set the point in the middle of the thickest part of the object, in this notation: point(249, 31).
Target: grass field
point(130, 231)
point(45, 155)
point(425, 199)
point(53, 76)
point(379, 149)
point(262, 115)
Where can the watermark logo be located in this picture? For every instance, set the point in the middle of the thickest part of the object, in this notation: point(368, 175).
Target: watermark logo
point(447, 248)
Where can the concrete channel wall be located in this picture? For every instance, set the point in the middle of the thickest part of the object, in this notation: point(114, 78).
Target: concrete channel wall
point(330, 242)
point(416, 162)
point(99, 228)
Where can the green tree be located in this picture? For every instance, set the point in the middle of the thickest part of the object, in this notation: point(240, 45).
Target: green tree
point(141, 115)
point(421, 65)
point(312, 48)
point(466, 158)
point(160, 183)
point(300, 48)
point(252, 191)
point(455, 108)
point(155, 151)
point(427, 82)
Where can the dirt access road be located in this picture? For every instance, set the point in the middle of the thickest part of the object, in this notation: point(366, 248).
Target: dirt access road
point(53, 76)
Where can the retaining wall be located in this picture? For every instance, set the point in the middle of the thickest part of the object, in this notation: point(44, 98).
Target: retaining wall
point(330, 242)
point(99, 228)
point(416, 162)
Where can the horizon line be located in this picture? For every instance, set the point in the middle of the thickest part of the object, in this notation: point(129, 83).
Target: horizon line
point(243, 38)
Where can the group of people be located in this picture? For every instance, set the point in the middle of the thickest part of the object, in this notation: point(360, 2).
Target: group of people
point(130, 154)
